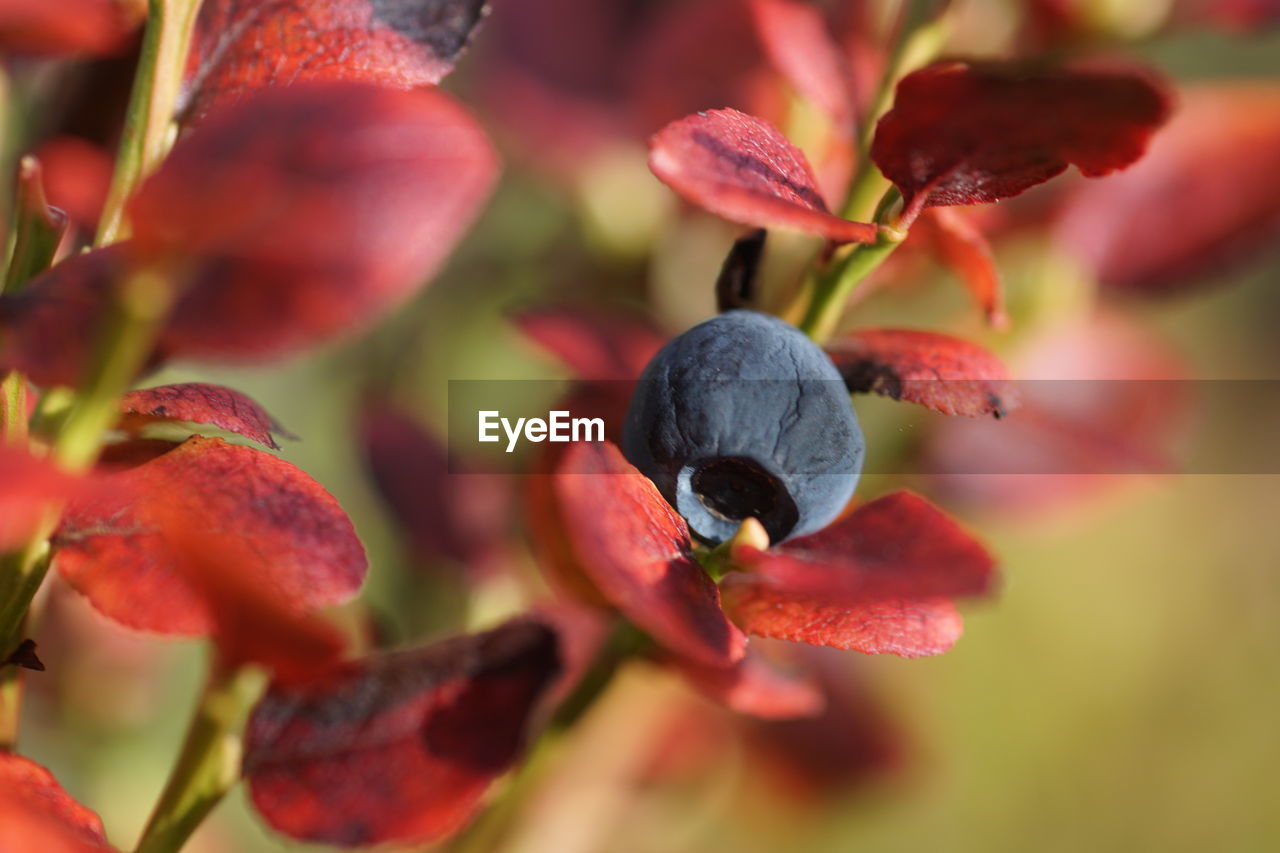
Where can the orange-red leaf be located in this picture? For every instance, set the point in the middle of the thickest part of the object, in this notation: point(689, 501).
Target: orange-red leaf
point(309, 212)
point(946, 374)
point(110, 548)
point(201, 403)
point(962, 247)
point(242, 45)
point(400, 747)
point(77, 174)
point(796, 40)
point(965, 133)
point(741, 168)
point(29, 487)
point(36, 814)
point(636, 550)
point(879, 580)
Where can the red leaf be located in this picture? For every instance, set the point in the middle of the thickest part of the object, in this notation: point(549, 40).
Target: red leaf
point(77, 174)
point(312, 211)
point(109, 549)
point(400, 747)
point(70, 27)
point(897, 546)
point(1204, 200)
point(965, 133)
point(914, 628)
point(201, 403)
point(741, 168)
point(242, 45)
point(755, 687)
point(49, 328)
point(943, 373)
point(877, 581)
point(37, 814)
point(460, 517)
point(963, 248)
point(29, 487)
point(592, 343)
point(795, 37)
point(636, 550)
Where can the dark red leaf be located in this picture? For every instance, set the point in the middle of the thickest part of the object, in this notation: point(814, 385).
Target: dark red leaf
point(29, 488)
point(310, 212)
point(242, 45)
point(49, 328)
point(109, 550)
point(943, 373)
point(736, 285)
point(741, 168)
point(636, 550)
point(1204, 200)
point(201, 403)
point(795, 37)
point(75, 27)
point(592, 343)
point(25, 656)
point(965, 133)
point(897, 546)
point(879, 580)
point(77, 174)
point(963, 248)
point(755, 687)
point(36, 814)
point(460, 517)
point(401, 747)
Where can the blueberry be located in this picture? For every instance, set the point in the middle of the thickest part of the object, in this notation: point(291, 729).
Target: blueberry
point(743, 416)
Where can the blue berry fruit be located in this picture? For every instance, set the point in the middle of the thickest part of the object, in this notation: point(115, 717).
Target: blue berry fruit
point(743, 416)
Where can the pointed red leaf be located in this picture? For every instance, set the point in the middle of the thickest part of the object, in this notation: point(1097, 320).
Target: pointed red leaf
point(1205, 200)
point(37, 814)
point(879, 580)
point(68, 27)
point(962, 247)
point(795, 37)
point(201, 403)
point(399, 747)
point(965, 133)
point(310, 212)
point(897, 546)
point(106, 548)
point(741, 168)
point(460, 517)
point(942, 373)
point(592, 343)
point(29, 488)
point(755, 687)
point(242, 45)
point(636, 550)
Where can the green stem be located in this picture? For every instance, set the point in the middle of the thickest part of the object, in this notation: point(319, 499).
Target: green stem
point(148, 128)
point(621, 645)
point(921, 33)
point(135, 319)
point(209, 764)
point(836, 282)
